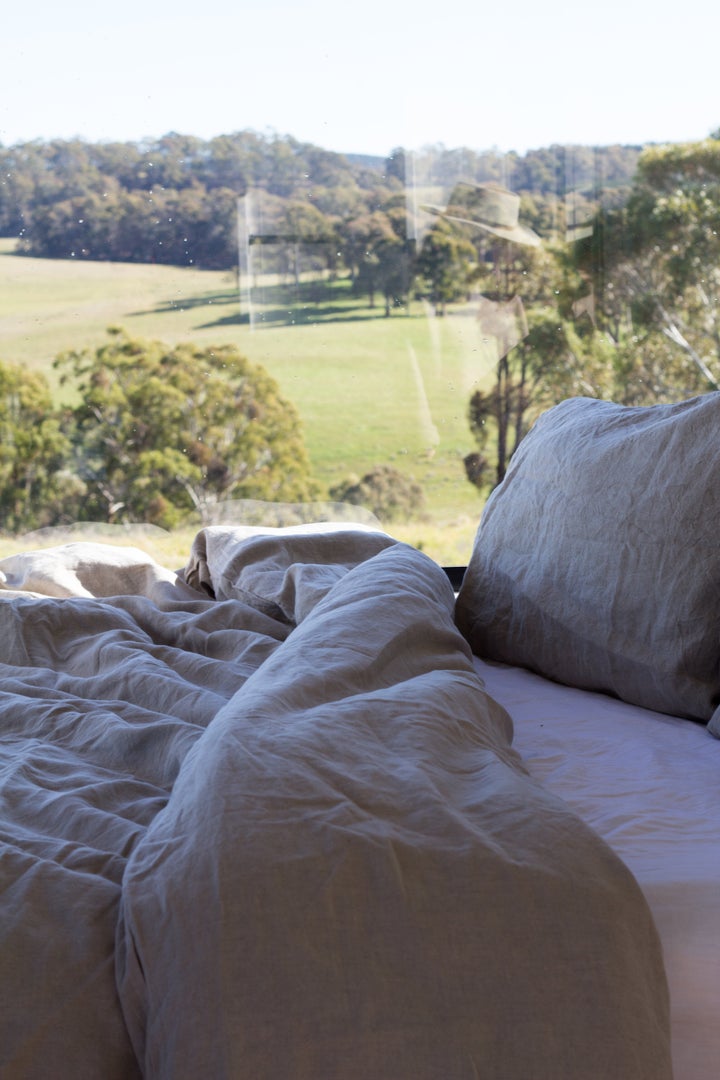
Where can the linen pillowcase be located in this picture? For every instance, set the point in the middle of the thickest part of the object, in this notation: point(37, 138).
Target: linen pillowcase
point(597, 560)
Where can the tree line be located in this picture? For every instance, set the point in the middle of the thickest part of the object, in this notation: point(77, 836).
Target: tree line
point(174, 199)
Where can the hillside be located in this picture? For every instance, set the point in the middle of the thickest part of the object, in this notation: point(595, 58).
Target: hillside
point(369, 389)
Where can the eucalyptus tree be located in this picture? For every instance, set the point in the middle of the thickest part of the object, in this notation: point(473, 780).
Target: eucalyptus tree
point(654, 265)
point(377, 254)
point(37, 487)
point(447, 264)
point(556, 359)
point(162, 431)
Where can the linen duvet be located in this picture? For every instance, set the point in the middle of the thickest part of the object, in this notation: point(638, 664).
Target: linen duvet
point(261, 819)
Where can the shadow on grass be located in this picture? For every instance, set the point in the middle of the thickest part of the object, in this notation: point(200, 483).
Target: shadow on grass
point(306, 315)
point(282, 305)
point(188, 303)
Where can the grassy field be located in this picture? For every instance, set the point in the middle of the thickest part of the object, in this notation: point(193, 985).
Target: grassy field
point(448, 544)
point(370, 390)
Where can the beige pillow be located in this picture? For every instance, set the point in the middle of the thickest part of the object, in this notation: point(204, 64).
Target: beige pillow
point(597, 560)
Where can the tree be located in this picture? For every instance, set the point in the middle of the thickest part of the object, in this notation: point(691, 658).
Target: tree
point(655, 269)
point(369, 244)
point(446, 265)
point(161, 431)
point(395, 256)
point(385, 491)
point(302, 224)
point(396, 165)
point(376, 251)
point(551, 363)
point(512, 276)
point(36, 486)
point(548, 348)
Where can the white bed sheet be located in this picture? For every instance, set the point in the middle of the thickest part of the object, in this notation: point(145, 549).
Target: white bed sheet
point(650, 786)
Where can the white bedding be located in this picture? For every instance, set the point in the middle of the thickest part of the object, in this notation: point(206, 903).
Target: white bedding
point(261, 820)
point(649, 784)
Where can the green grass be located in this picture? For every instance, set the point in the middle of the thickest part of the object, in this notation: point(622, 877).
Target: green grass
point(448, 543)
point(369, 389)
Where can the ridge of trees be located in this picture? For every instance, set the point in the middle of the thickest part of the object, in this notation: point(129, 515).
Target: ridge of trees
point(174, 199)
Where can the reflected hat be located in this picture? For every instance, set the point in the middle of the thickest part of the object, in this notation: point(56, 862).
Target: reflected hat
point(489, 207)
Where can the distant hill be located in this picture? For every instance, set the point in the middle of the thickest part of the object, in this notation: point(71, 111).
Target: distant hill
point(174, 200)
point(366, 161)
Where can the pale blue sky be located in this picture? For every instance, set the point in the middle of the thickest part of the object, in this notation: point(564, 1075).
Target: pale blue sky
point(363, 77)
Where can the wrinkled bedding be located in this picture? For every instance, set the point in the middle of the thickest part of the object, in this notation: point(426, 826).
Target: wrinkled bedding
point(261, 819)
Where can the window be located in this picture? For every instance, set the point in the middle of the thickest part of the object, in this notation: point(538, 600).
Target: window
point(424, 225)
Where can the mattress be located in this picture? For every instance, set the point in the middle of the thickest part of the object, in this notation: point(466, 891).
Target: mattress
point(649, 784)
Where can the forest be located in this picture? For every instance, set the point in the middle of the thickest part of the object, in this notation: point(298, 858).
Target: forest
point(174, 200)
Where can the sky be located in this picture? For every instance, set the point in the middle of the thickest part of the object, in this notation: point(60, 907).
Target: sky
point(364, 77)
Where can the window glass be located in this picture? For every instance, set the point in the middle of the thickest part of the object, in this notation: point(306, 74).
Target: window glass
point(263, 260)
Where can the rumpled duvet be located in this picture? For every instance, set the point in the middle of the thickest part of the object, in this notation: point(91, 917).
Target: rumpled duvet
point(261, 820)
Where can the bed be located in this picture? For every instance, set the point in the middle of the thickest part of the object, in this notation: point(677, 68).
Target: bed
point(284, 814)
